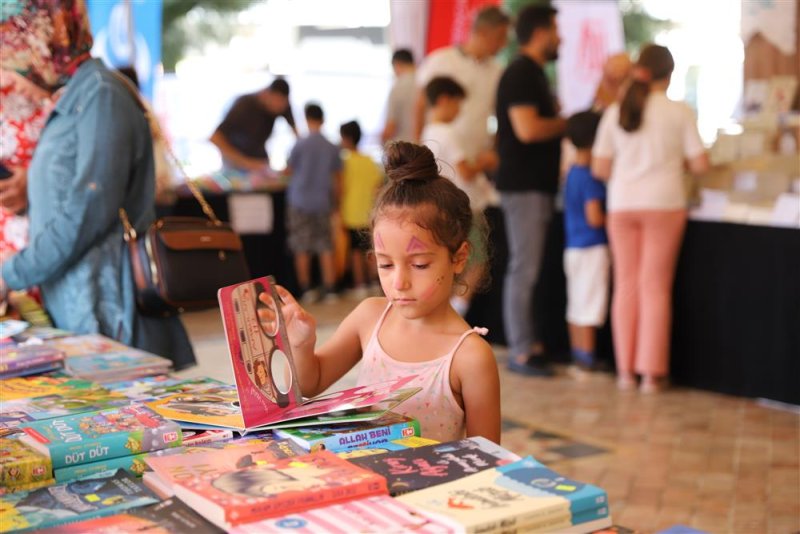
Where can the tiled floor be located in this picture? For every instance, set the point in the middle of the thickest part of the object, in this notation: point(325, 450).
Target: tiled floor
point(682, 457)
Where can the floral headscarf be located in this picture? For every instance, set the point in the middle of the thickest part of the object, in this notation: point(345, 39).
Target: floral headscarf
point(45, 40)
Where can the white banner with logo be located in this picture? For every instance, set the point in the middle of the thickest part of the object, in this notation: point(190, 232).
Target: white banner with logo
point(775, 20)
point(590, 32)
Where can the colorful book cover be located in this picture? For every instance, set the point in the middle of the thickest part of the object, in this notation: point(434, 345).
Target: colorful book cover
point(15, 412)
point(114, 363)
point(263, 365)
point(39, 386)
point(394, 445)
point(64, 503)
point(150, 388)
point(41, 333)
point(344, 437)
point(286, 486)
point(415, 469)
point(168, 517)
point(370, 514)
point(21, 357)
point(20, 464)
point(86, 344)
point(523, 493)
point(95, 436)
point(35, 370)
point(210, 461)
point(134, 465)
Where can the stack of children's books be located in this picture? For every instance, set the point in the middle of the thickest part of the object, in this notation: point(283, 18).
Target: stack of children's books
point(28, 360)
point(154, 452)
point(104, 360)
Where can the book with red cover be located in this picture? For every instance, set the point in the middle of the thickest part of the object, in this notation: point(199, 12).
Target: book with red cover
point(267, 389)
point(283, 487)
point(215, 458)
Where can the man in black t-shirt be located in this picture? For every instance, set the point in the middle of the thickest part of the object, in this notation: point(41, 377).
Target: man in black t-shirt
point(248, 124)
point(529, 133)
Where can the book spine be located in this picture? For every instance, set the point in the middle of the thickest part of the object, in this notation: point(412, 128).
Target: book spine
point(132, 464)
point(39, 369)
point(30, 362)
point(23, 471)
point(76, 449)
point(587, 503)
point(283, 505)
point(367, 438)
point(591, 515)
point(555, 515)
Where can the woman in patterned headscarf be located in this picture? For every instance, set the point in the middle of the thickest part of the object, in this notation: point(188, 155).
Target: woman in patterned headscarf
point(94, 157)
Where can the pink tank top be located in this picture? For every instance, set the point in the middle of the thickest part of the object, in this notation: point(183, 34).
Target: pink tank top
point(439, 415)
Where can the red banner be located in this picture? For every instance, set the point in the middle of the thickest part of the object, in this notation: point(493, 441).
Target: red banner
point(449, 21)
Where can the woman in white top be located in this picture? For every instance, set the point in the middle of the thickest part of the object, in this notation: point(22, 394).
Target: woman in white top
point(641, 147)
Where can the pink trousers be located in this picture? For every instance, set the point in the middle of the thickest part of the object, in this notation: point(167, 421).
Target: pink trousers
point(644, 249)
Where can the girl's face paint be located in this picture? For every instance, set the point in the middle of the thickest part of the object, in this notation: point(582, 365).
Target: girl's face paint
point(416, 273)
point(415, 245)
point(379, 242)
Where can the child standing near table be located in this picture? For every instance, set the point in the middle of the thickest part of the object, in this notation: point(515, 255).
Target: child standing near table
point(420, 233)
point(586, 257)
point(361, 178)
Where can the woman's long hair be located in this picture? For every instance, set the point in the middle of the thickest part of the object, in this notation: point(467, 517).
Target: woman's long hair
point(655, 63)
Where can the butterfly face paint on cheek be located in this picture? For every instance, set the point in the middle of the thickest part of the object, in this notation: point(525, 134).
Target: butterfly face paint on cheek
point(431, 291)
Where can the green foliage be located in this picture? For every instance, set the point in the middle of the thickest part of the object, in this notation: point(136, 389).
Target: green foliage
point(197, 22)
point(640, 28)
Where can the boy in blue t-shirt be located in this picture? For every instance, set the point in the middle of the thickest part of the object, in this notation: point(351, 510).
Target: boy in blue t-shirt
point(586, 258)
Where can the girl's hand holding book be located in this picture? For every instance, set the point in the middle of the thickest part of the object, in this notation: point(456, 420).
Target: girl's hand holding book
point(301, 327)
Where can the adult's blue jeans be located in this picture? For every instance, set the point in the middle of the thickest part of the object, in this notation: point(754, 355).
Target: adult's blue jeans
point(527, 216)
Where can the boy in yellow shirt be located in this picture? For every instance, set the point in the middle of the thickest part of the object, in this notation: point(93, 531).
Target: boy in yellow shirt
point(361, 178)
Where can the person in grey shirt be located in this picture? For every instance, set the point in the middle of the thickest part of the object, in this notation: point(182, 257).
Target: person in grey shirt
point(399, 113)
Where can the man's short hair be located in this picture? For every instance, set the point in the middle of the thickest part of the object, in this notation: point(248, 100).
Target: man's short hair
point(443, 86)
point(314, 112)
point(279, 85)
point(533, 18)
point(490, 17)
point(352, 131)
point(403, 55)
point(582, 127)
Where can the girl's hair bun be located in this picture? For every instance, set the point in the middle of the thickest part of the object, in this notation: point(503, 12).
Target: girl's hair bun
point(408, 162)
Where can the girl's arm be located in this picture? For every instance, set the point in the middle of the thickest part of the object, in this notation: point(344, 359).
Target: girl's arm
point(318, 369)
point(476, 371)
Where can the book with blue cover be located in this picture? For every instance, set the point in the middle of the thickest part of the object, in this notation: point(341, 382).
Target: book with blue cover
point(118, 365)
point(94, 436)
point(74, 501)
point(14, 413)
point(342, 437)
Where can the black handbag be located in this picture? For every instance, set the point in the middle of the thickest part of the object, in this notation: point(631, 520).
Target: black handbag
point(180, 262)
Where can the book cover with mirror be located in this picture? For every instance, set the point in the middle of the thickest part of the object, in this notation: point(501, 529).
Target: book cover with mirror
point(267, 393)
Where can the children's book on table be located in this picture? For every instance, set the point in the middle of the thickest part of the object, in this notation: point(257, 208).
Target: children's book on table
point(97, 436)
point(75, 501)
point(287, 486)
point(267, 393)
point(167, 517)
point(414, 469)
point(523, 496)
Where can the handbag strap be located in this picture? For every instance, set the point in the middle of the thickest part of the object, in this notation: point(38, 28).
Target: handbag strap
point(159, 134)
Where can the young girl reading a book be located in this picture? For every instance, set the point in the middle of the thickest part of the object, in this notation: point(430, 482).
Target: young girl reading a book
point(420, 226)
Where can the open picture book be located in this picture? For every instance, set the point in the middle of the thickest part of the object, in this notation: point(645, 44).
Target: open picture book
point(267, 393)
